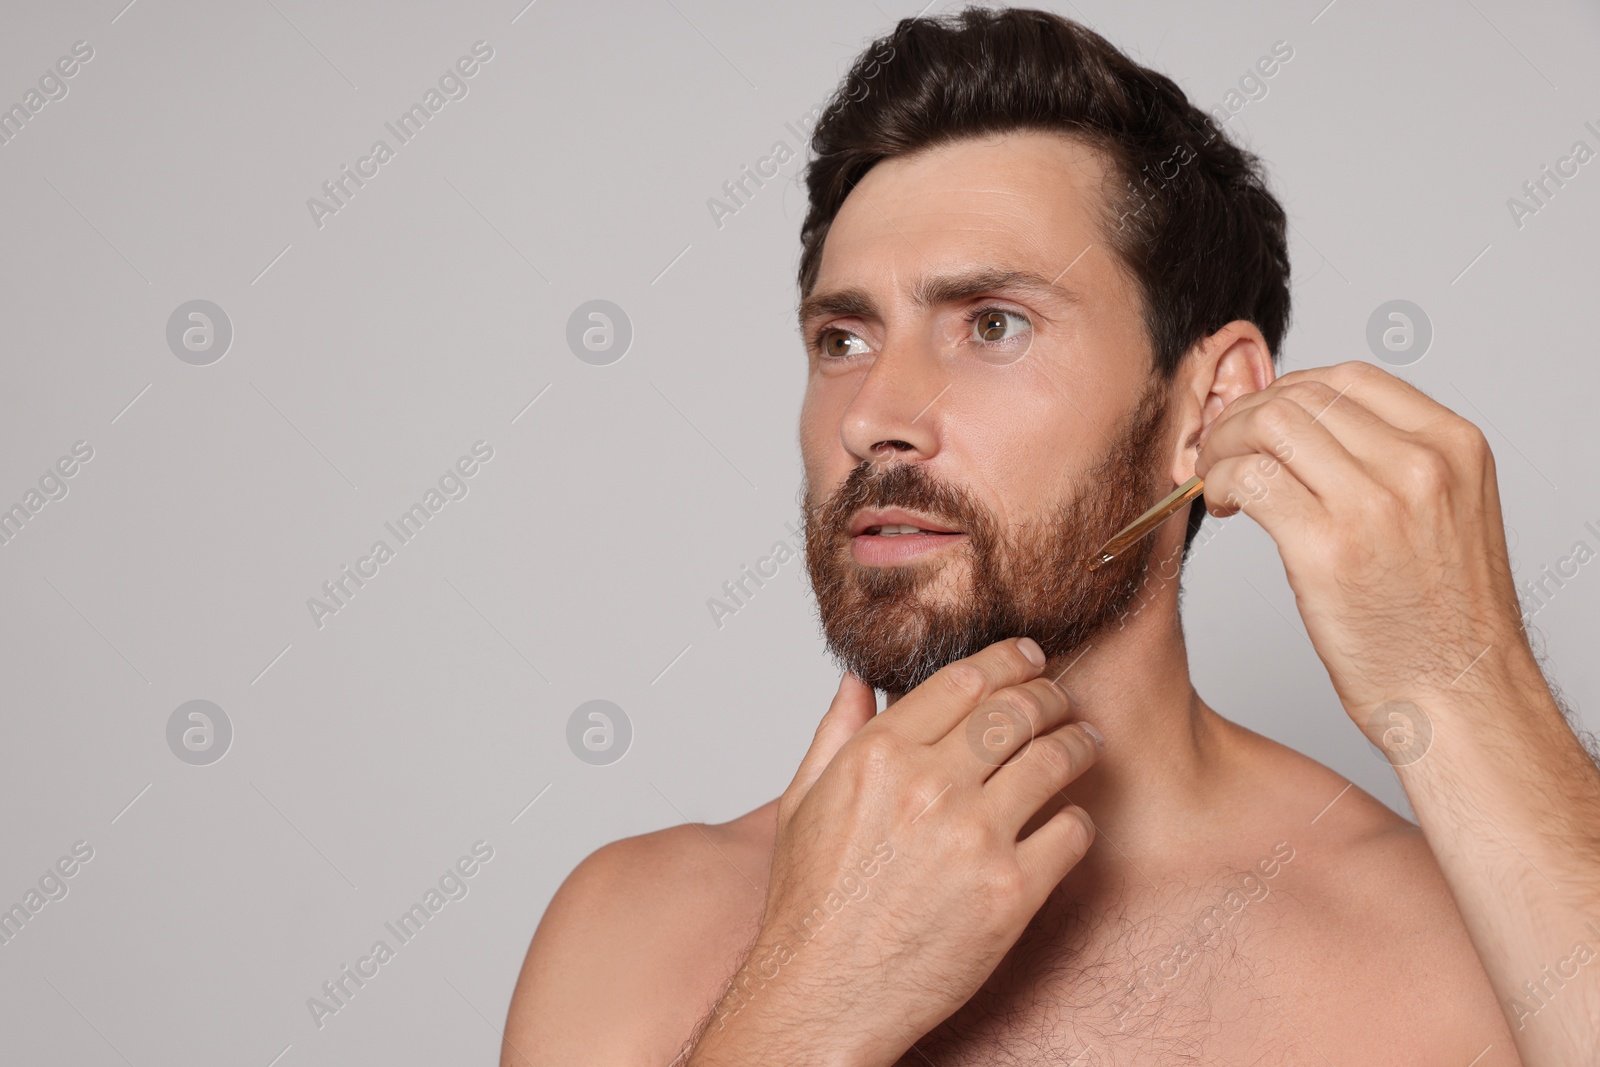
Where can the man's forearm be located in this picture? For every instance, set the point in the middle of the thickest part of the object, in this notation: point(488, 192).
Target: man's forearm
point(1510, 803)
point(778, 1032)
point(748, 1040)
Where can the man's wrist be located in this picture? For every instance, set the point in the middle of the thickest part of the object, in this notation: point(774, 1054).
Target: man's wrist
point(1496, 740)
point(756, 1036)
point(770, 1018)
point(1494, 683)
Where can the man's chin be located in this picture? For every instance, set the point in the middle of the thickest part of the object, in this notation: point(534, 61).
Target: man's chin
point(895, 627)
point(896, 643)
point(925, 582)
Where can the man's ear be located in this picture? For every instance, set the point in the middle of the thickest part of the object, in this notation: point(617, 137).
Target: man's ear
point(1230, 363)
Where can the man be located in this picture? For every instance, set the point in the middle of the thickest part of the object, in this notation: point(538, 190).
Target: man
point(1039, 290)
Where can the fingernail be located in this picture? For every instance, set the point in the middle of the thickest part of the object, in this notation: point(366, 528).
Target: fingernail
point(1030, 648)
point(1095, 735)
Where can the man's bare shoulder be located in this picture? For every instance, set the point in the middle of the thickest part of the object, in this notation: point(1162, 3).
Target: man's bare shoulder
point(637, 941)
point(1369, 920)
point(1353, 853)
point(685, 864)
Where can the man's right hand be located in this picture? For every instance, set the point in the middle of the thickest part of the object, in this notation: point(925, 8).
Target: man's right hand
point(898, 882)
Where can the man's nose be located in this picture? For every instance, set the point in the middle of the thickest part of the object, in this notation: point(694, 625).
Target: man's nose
point(895, 415)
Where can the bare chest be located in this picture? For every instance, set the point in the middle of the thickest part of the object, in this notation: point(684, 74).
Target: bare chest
point(1248, 970)
point(1176, 985)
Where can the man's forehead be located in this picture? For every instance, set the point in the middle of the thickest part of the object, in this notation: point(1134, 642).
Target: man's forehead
point(1029, 202)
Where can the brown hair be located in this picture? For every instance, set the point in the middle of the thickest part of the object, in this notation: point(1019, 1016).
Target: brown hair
point(1189, 214)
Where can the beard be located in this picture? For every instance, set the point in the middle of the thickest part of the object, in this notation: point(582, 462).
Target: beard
point(894, 626)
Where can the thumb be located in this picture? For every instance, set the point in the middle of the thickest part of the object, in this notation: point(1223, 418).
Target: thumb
point(854, 705)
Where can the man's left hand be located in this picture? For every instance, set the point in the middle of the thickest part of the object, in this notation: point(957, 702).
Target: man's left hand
point(1385, 510)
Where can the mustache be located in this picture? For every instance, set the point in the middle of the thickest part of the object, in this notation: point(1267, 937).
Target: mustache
point(903, 485)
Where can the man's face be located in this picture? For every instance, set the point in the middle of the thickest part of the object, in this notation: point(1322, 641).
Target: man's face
point(1016, 421)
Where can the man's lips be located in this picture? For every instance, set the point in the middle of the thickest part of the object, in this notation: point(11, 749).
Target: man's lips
point(873, 521)
point(886, 538)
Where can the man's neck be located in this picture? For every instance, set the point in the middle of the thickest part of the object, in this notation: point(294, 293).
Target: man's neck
point(1166, 752)
point(1164, 748)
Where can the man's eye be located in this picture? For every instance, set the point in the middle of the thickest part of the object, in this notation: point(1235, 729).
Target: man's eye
point(840, 344)
point(992, 325)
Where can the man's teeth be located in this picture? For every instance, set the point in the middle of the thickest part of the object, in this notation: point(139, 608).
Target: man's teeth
point(896, 529)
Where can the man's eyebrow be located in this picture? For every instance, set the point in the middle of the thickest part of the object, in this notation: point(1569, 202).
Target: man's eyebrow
point(939, 289)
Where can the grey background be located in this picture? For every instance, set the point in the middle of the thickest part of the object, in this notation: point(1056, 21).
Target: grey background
point(369, 754)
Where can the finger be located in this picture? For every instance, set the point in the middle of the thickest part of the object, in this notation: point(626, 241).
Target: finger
point(943, 702)
point(1038, 772)
point(1393, 400)
point(1004, 724)
point(1354, 425)
point(1279, 502)
point(1276, 432)
point(853, 706)
point(1391, 453)
point(1047, 854)
point(1321, 400)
